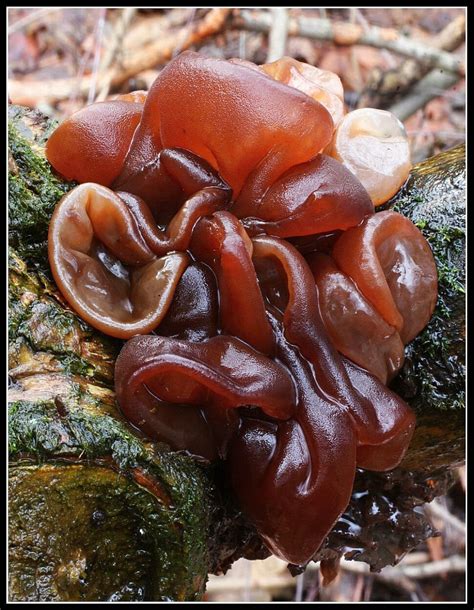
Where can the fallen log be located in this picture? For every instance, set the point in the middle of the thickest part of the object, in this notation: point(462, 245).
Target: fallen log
point(97, 512)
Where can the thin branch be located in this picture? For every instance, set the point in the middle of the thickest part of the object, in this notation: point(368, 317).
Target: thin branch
point(32, 92)
point(436, 82)
point(31, 18)
point(349, 34)
point(98, 51)
point(278, 34)
point(455, 563)
point(113, 48)
point(366, 25)
point(436, 509)
point(185, 31)
point(429, 87)
point(299, 588)
point(386, 86)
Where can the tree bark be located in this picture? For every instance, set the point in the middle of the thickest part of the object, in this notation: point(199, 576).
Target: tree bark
point(98, 513)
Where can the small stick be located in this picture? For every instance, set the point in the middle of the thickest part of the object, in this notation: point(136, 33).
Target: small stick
point(385, 86)
point(113, 48)
point(358, 588)
point(429, 87)
point(98, 49)
point(31, 18)
point(299, 588)
point(455, 563)
point(435, 508)
point(278, 34)
point(342, 33)
point(363, 21)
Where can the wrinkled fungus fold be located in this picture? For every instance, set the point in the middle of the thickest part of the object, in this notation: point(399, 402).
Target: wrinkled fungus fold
point(265, 306)
point(104, 267)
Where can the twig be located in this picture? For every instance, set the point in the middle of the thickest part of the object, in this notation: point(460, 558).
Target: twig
point(452, 35)
point(113, 48)
point(185, 31)
point(98, 50)
point(31, 18)
point(33, 92)
point(348, 34)
point(358, 588)
point(243, 44)
point(385, 86)
point(436, 509)
point(369, 585)
point(424, 91)
point(278, 34)
point(455, 563)
point(152, 27)
point(436, 81)
point(366, 25)
point(299, 588)
point(355, 67)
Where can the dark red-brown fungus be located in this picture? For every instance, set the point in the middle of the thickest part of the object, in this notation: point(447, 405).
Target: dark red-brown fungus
point(265, 304)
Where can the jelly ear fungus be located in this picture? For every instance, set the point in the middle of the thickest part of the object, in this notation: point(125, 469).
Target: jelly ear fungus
point(269, 355)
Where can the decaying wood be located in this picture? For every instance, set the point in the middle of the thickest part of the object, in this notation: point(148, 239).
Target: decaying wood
point(62, 377)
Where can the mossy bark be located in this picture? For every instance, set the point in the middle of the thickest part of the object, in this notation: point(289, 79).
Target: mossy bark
point(98, 513)
point(433, 377)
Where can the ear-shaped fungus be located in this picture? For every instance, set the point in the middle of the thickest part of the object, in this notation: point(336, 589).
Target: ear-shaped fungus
point(392, 264)
point(168, 179)
point(195, 311)
point(323, 86)
point(378, 420)
point(153, 372)
point(138, 96)
point(104, 267)
point(318, 196)
point(222, 243)
point(373, 144)
point(246, 125)
point(355, 326)
point(270, 361)
point(91, 145)
point(291, 477)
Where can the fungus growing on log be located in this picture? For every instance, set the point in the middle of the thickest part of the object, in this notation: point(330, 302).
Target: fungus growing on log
point(248, 361)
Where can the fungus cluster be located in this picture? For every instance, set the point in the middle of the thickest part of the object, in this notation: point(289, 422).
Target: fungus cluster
point(224, 226)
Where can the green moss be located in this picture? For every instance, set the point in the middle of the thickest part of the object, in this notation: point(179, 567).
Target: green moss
point(97, 537)
point(49, 430)
point(40, 327)
point(44, 429)
point(33, 192)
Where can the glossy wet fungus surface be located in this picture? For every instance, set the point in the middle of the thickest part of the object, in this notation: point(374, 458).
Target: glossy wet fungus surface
point(224, 226)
